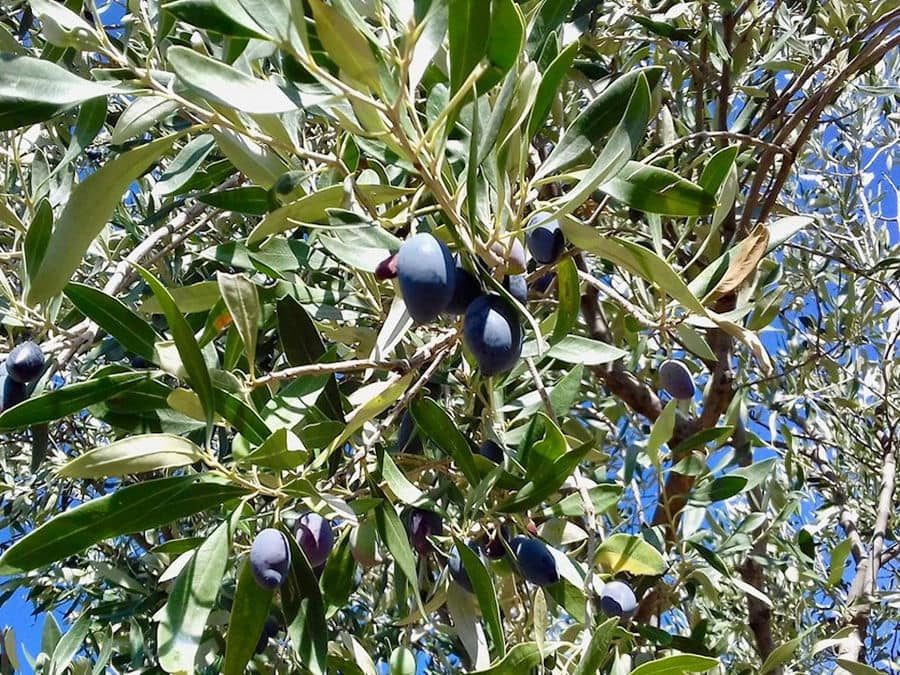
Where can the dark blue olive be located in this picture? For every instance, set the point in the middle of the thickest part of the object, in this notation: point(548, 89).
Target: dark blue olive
point(270, 558)
point(25, 363)
point(545, 240)
point(491, 451)
point(517, 287)
point(408, 440)
point(676, 379)
point(426, 271)
point(535, 561)
point(617, 599)
point(424, 524)
point(465, 290)
point(11, 392)
point(457, 570)
point(494, 548)
point(492, 332)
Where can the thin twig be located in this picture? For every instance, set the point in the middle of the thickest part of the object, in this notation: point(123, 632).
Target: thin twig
point(355, 365)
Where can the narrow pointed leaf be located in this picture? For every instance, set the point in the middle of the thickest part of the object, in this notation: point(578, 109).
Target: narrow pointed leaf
point(138, 454)
point(130, 509)
point(245, 624)
point(86, 213)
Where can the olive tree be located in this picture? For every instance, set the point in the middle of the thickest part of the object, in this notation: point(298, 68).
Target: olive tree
point(503, 335)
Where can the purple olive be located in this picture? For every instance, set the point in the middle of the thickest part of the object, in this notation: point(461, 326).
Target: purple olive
point(315, 537)
point(423, 524)
point(676, 379)
point(493, 548)
point(387, 268)
point(25, 363)
point(270, 558)
point(617, 599)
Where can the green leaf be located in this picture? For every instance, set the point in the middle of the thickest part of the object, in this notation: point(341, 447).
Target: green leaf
point(780, 654)
point(241, 416)
point(138, 454)
point(719, 489)
point(653, 190)
point(484, 589)
point(564, 394)
point(303, 345)
point(227, 86)
point(597, 650)
point(69, 645)
point(87, 211)
point(345, 45)
point(91, 118)
point(222, 16)
point(140, 116)
point(545, 484)
point(304, 610)
point(113, 316)
point(838, 558)
point(191, 600)
point(252, 200)
point(378, 397)
point(34, 90)
point(603, 497)
point(242, 300)
point(199, 297)
point(37, 238)
point(521, 658)
point(435, 423)
point(569, 296)
point(661, 431)
point(578, 349)
point(676, 665)
point(393, 535)
point(628, 553)
point(701, 438)
point(504, 43)
point(399, 484)
point(338, 577)
point(547, 20)
point(598, 119)
point(186, 163)
point(622, 144)
point(245, 624)
point(551, 81)
point(634, 258)
point(313, 208)
point(857, 668)
point(130, 509)
point(188, 349)
point(282, 450)
point(69, 399)
point(259, 163)
point(469, 27)
point(62, 27)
